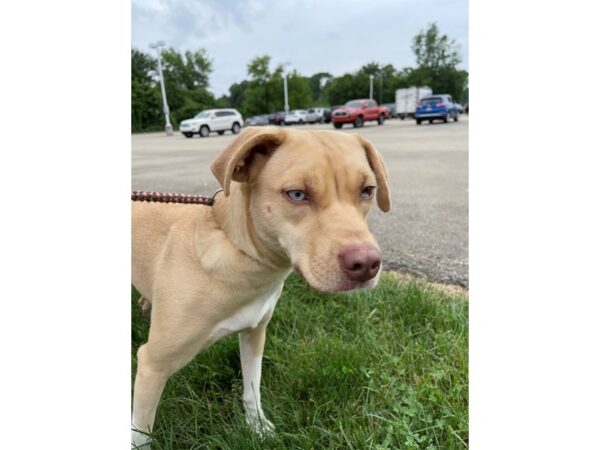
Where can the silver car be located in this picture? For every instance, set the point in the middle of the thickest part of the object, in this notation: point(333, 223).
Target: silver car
point(296, 116)
point(316, 115)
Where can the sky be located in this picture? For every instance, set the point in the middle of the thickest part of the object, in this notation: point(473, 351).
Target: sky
point(313, 36)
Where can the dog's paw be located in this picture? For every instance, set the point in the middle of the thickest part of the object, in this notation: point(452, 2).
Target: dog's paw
point(259, 424)
point(139, 440)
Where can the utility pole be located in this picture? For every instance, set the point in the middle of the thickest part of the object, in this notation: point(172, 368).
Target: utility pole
point(380, 88)
point(285, 94)
point(168, 126)
point(285, 88)
point(371, 87)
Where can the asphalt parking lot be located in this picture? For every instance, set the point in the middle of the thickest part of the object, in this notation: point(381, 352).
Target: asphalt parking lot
point(425, 233)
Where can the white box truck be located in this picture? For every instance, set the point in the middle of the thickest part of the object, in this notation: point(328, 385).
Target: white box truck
point(407, 100)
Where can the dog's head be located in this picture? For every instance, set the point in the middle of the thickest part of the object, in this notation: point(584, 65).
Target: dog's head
point(310, 193)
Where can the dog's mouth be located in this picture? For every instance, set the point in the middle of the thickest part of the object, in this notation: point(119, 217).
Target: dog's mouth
point(344, 285)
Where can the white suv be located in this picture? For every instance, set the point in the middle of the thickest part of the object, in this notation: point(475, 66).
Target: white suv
point(212, 120)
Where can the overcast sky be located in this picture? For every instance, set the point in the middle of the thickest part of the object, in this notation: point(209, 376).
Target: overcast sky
point(314, 36)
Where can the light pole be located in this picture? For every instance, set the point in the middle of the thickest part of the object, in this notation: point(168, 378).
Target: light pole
point(371, 87)
point(285, 89)
point(168, 127)
point(380, 88)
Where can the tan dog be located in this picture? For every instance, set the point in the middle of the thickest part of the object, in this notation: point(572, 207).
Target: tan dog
point(292, 200)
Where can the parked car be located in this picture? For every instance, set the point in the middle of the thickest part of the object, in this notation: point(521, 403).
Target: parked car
point(436, 107)
point(277, 118)
point(312, 116)
point(357, 112)
point(392, 108)
point(326, 115)
point(251, 121)
point(296, 116)
point(258, 120)
point(212, 120)
point(460, 108)
point(320, 113)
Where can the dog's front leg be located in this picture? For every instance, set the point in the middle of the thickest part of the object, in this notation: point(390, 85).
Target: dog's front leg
point(149, 383)
point(252, 343)
point(155, 365)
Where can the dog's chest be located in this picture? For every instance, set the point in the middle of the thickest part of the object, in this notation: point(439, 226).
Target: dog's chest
point(249, 316)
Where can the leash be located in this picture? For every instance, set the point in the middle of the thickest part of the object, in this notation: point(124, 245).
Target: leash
point(170, 197)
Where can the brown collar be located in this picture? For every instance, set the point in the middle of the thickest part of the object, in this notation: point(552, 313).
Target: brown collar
point(170, 197)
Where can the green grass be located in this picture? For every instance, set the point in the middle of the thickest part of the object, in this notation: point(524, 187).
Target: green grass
point(379, 369)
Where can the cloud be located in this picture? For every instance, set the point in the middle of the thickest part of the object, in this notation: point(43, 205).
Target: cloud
point(314, 36)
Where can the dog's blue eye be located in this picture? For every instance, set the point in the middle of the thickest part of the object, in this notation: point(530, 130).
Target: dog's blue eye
point(367, 192)
point(296, 196)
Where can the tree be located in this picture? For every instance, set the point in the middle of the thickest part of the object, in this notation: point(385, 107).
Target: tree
point(186, 81)
point(299, 92)
point(236, 95)
point(259, 91)
point(146, 107)
point(317, 83)
point(435, 51)
point(371, 68)
point(348, 86)
point(437, 57)
point(386, 80)
point(263, 93)
point(392, 80)
point(188, 71)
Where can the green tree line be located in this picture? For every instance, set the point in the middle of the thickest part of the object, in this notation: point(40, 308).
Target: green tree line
point(186, 78)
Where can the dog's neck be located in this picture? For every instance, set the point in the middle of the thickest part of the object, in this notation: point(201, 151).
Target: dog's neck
point(232, 213)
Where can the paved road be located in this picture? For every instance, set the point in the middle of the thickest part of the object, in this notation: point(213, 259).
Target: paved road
point(425, 233)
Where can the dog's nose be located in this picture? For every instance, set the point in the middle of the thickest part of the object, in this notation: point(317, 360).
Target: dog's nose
point(360, 263)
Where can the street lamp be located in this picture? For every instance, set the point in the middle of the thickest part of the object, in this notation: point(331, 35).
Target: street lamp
point(168, 128)
point(285, 88)
point(371, 87)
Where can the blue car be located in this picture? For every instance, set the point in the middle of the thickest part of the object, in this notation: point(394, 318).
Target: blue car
point(436, 107)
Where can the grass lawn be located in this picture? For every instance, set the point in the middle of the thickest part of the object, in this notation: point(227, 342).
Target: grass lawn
point(379, 369)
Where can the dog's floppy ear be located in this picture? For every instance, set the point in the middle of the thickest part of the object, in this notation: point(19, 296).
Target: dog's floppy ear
point(376, 163)
point(246, 155)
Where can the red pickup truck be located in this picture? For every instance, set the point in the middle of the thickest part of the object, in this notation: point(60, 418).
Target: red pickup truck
point(357, 112)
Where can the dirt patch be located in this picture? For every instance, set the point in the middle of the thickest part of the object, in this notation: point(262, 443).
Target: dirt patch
point(449, 289)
